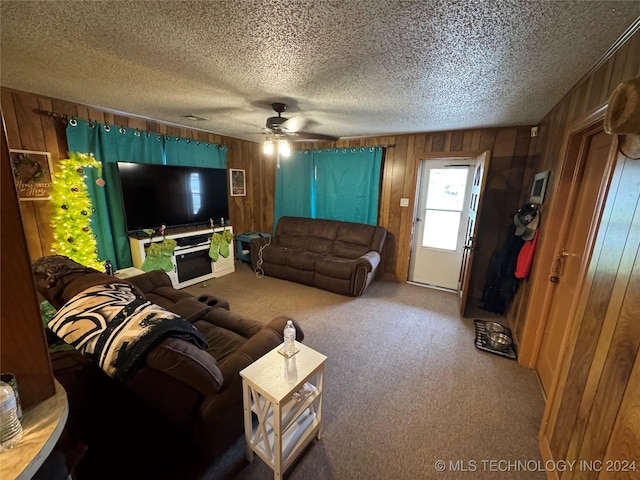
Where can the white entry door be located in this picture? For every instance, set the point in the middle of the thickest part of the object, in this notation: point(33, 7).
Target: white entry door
point(441, 215)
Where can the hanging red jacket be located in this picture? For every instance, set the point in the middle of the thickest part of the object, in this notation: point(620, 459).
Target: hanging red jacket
point(525, 257)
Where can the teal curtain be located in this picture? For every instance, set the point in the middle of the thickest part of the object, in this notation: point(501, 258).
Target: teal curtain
point(335, 184)
point(348, 184)
point(193, 153)
point(294, 187)
point(111, 144)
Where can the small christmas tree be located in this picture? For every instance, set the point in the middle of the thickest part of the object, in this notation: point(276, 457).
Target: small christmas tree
point(72, 208)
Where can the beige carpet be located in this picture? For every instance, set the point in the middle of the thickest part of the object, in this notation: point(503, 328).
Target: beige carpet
point(404, 386)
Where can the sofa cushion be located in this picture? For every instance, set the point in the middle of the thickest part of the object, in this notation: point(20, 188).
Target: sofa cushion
point(151, 280)
point(188, 308)
point(302, 260)
point(313, 235)
point(276, 255)
point(306, 277)
point(165, 295)
point(222, 342)
point(318, 244)
point(352, 241)
point(332, 284)
point(187, 363)
point(348, 250)
point(335, 267)
point(294, 226)
point(303, 242)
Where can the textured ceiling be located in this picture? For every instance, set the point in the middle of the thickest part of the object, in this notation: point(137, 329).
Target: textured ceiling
point(350, 68)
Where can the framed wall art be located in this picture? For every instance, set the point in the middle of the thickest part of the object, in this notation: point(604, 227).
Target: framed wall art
point(539, 187)
point(32, 173)
point(238, 182)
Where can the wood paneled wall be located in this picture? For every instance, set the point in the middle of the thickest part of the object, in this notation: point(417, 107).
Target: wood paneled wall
point(586, 97)
point(600, 375)
point(509, 146)
point(592, 412)
point(29, 130)
point(23, 347)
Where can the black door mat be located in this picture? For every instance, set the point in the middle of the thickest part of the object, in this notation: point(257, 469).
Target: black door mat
point(483, 344)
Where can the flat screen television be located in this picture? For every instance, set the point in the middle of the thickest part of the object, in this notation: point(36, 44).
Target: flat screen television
point(153, 195)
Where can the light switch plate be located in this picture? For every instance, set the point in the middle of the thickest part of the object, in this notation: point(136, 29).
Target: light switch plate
point(404, 202)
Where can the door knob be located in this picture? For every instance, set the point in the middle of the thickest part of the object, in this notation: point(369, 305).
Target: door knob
point(558, 266)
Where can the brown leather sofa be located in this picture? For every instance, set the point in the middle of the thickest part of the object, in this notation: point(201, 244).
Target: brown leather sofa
point(197, 390)
point(341, 257)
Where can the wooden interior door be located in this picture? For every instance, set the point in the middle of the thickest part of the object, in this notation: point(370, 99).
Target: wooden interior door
point(471, 232)
point(593, 412)
point(575, 250)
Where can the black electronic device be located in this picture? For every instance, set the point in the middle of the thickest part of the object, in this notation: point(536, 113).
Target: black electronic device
point(193, 240)
point(175, 196)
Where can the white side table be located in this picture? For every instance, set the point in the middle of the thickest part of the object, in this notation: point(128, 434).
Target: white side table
point(285, 394)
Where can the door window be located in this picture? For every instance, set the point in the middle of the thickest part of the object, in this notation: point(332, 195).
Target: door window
point(443, 209)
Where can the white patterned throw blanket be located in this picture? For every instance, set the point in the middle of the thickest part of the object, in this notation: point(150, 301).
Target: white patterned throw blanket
point(116, 327)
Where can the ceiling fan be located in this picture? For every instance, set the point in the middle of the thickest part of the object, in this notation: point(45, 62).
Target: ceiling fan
point(292, 127)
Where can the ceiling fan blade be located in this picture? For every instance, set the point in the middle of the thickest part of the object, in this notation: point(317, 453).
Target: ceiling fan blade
point(312, 137)
point(293, 124)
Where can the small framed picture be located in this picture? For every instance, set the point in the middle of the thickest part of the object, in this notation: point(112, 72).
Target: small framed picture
point(238, 182)
point(539, 187)
point(32, 173)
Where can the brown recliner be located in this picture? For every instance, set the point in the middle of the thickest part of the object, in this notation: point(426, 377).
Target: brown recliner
point(341, 257)
point(198, 390)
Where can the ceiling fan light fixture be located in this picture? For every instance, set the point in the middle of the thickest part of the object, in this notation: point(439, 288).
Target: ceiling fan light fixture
point(284, 148)
point(267, 148)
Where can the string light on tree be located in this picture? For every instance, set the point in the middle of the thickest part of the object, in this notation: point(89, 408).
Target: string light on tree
point(71, 219)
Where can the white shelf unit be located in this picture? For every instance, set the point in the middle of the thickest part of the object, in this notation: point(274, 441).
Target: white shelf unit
point(199, 247)
point(286, 421)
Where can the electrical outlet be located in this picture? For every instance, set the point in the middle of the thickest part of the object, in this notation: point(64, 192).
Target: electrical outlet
point(404, 202)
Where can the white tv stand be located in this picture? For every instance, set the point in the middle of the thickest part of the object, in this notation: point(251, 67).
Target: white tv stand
point(191, 262)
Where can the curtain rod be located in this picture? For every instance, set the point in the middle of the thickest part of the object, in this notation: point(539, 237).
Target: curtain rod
point(54, 115)
point(67, 118)
point(392, 145)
